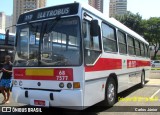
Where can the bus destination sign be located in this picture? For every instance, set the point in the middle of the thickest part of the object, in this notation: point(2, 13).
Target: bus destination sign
point(50, 12)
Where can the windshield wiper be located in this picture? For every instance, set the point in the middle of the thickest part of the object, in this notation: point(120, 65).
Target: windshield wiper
point(43, 32)
point(46, 31)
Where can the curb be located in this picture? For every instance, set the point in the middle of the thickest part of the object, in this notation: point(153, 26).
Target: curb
point(153, 83)
point(150, 85)
point(155, 68)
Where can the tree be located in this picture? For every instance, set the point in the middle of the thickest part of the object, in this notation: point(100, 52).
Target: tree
point(152, 33)
point(149, 29)
point(132, 21)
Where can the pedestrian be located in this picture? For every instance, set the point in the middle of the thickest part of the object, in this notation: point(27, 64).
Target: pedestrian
point(5, 82)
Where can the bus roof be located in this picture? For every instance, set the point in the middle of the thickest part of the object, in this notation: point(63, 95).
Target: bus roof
point(113, 22)
point(89, 8)
point(125, 28)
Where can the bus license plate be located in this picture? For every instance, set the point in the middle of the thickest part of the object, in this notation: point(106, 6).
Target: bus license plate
point(39, 102)
point(42, 103)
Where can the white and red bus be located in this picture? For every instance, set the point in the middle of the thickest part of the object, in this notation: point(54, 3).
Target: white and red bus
point(72, 56)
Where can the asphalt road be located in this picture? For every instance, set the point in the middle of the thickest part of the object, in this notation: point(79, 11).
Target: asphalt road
point(132, 101)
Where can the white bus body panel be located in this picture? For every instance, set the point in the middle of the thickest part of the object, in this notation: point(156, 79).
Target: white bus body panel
point(65, 99)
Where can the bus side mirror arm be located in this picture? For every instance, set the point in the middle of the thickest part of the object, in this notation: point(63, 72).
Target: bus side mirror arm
point(7, 33)
point(7, 28)
point(6, 37)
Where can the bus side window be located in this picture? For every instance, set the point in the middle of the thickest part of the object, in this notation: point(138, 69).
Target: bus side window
point(137, 47)
point(122, 42)
point(142, 49)
point(109, 38)
point(91, 44)
point(148, 53)
point(86, 36)
point(131, 46)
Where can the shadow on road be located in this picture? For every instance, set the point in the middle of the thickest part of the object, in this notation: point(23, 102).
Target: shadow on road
point(130, 90)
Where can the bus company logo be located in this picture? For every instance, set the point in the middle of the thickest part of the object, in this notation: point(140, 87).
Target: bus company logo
point(51, 13)
point(132, 64)
point(6, 109)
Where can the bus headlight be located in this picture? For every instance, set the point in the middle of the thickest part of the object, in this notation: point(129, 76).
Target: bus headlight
point(69, 85)
point(61, 85)
point(20, 83)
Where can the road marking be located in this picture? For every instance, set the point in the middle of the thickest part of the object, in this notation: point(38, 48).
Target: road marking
point(155, 93)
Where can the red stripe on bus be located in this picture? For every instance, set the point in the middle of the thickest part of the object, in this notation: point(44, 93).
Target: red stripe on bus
point(143, 63)
point(137, 63)
point(105, 64)
point(58, 75)
point(112, 64)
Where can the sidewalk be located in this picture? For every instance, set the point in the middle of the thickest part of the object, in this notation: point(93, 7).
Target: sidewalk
point(154, 79)
point(153, 82)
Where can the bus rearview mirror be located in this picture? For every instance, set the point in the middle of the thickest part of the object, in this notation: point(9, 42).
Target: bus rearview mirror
point(94, 29)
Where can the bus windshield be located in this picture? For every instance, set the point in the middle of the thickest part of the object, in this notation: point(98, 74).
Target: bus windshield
point(54, 42)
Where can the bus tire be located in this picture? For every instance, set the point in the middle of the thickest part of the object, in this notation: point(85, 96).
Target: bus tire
point(110, 92)
point(142, 84)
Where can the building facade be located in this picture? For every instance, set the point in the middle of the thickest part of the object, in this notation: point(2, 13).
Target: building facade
point(2, 21)
point(117, 7)
point(5, 21)
point(97, 4)
point(21, 6)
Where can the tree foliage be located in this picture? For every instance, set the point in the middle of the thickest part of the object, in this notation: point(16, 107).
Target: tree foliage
point(152, 33)
point(133, 21)
point(149, 29)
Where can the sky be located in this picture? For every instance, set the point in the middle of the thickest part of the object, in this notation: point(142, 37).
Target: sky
point(146, 8)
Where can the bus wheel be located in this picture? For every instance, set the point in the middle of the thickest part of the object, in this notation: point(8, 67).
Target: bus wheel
point(111, 92)
point(142, 80)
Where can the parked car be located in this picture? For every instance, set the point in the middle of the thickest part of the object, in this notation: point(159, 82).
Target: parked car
point(155, 63)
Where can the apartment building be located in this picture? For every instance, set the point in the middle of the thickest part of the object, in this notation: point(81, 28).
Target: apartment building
point(2, 21)
point(97, 4)
point(117, 7)
point(9, 22)
point(21, 6)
